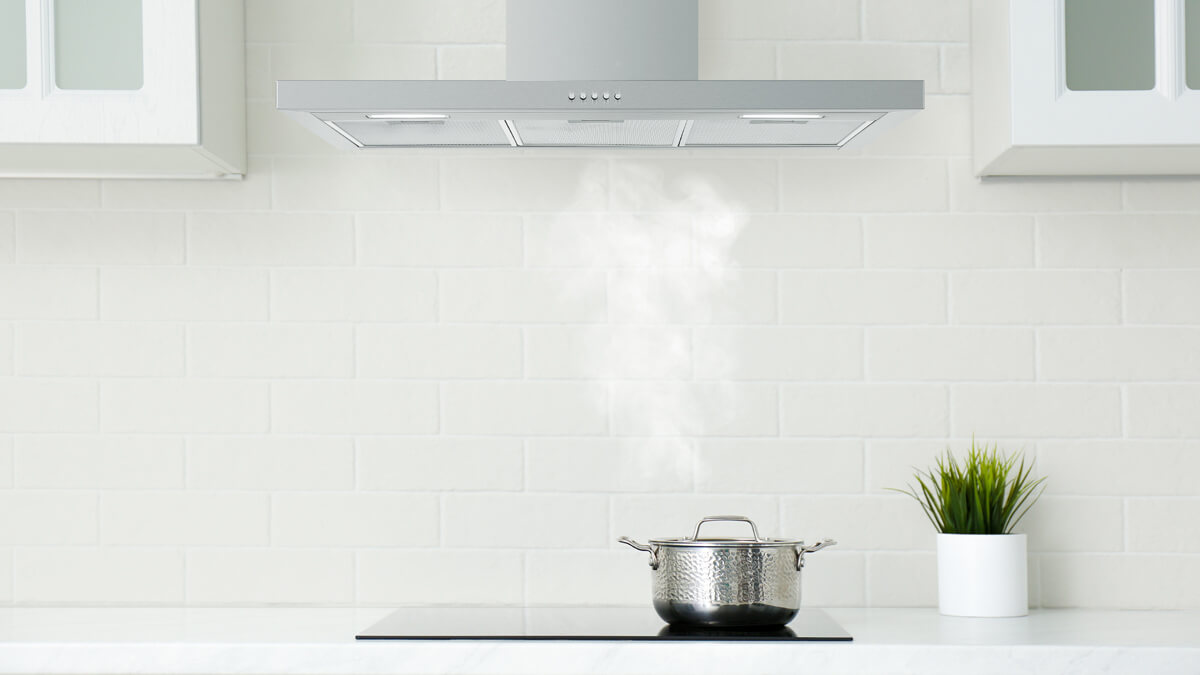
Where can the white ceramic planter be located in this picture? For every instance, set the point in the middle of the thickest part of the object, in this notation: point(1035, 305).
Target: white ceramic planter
point(982, 575)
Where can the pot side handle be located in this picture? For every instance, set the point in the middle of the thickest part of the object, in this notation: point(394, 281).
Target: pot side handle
point(802, 549)
point(642, 547)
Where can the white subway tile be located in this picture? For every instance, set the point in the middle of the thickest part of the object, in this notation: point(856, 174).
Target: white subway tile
point(100, 349)
point(921, 21)
point(270, 463)
point(1164, 525)
point(609, 465)
point(251, 192)
point(695, 409)
point(7, 354)
point(645, 517)
point(1162, 410)
point(855, 60)
point(522, 296)
point(270, 239)
point(1105, 354)
point(718, 191)
point(902, 580)
point(620, 240)
point(408, 21)
point(180, 518)
point(270, 350)
point(179, 405)
point(1161, 296)
point(271, 134)
point(1126, 240)
point(524, 408)
point(796, 240)
point(525, 521)
point(298, 21)
point(1041, 410)
point(8, 238)
point(950, 353)
point(587, 578)
point(57, 406)
point(7, 462)
point(342, 519)
point(949, 241)
point(956, 69)
point(343, 183)
point(523, 184)
point(736, 60)
point(885, 184)
point(257, 576)
point(779, 353)
point(860, 522)
point(383, 350)
point(356, 407)
point(834, 578)
point(1159, 193)
point(1120, 467)
point(1035, 297)
point(384, 60)
point(779, 466)
point(47, 293)
point(353, 295)
point(6, 576)
point(863, 297)
point(942, 129)
point(707, 295)
point(164, 294)
point(98, 575)
point(81, 237)
point(864, 410)
point(606, 352)
point(444, 464)
point(440, 577)
point(1029, 195)
point(1120, 581)
point(47, 518)
point(439, 240)
point(99, 462)
point(471, 62)
point(40, 193)
point(1084, 524)
point(779, 20)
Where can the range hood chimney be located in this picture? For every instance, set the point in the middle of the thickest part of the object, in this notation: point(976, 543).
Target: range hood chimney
point(586, 73)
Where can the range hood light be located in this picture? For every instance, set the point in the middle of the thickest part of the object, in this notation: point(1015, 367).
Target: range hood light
point(782, 116)
point(410, 117)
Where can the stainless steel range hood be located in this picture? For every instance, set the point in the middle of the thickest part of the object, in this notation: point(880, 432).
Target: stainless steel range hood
point(619, 73)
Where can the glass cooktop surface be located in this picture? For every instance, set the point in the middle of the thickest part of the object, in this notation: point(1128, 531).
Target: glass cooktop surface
point(580, 623)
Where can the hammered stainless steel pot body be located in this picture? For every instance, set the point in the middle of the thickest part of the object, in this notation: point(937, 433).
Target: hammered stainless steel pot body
point(726, 582)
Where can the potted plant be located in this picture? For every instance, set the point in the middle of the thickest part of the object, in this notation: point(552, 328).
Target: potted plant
point(974, 504)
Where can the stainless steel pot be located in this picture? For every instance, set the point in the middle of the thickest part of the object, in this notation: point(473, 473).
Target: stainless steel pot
point(726, 582)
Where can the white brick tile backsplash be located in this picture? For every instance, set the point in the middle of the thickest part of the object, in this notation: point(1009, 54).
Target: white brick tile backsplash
point(1130, 581)
point(1162, 410)
point(787, 353)
point(353, 295)
point(252, 192)
point(354, 407)
point(520, 296)
point(49, 194)
point(1035, 297)
point(780, 20)
point(437, 240)
point(152, 518)
point(1105, 354)
point(262, 576)
point(626, 352)
point(424, 464)
point(90, 238)
point(7, 462)
point(779, 466)
point(1029, 195)
point(882, 184)
point(47, 292)
point(656, 516)
point(1161, 296)
point(8, 238)
point(1120, 467)
point(350, 61)
point(692, 296)
point(182, 406)
point(860, 523)
point(901, 579)
point(440, 577)
point(196, 294)
point(1099, 241)
point(524, 408)
point(408, 21)
point(798, 240)
point(922, 21)
point(942, 129)
point(339, 183)
point(736, 60)
point(916, 297)
point(270, 350)
point(956, 69)
point(526, 184)
point(591, 578)
point(471, 62)
point(834, 579)
point(47, 518)
point(98, 462)
point(864, 410)
point(341, 519)
point(388, 350)
point(1164, 525)
point(6, 575)
point(270, 463)
point(604, 240)
point(949, 241)
point(270, 239)
point(695, 409)
point(809, 60)
point(298, 21)
point(54, 405)
point(525, 521)
point(6, 349)
point(715, 190)
point(609, 465)
point(100, 349)
point(1029, 410)
point(76, 575)
point(950, 353)
point(1064, 524)
point(1159, 193)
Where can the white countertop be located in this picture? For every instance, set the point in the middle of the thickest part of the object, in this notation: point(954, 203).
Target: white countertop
point(321, 641)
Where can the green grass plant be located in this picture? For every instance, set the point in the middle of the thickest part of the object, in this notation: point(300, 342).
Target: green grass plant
point(988, 493)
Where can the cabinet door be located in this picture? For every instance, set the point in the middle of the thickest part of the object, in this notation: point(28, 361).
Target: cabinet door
point(1104, 72)
point(101, 72)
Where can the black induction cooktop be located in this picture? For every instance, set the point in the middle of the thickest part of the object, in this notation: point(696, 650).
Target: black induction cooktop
point(580, 623)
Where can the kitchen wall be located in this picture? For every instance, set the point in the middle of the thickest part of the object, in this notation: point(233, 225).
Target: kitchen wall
point(452, 377)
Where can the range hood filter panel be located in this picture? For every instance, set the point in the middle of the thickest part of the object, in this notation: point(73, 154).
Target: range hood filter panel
point(435, 133)
point(749, 133)
point(597, 133)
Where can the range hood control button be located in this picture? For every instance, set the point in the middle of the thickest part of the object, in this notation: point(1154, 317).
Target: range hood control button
point(571, 96)
point(617, 96)
point(595, 96)
point(606, 96)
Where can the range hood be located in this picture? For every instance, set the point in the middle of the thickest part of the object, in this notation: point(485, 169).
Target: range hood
point(582, 73)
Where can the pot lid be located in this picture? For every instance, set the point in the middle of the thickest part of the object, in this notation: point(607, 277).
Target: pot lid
point(736, 542)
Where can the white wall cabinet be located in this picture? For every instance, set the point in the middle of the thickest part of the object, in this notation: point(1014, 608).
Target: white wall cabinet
point(122, 88)
point(1086, 87)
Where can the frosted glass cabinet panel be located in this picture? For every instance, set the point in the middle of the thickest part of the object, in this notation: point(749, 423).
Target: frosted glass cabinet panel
point(98, 44)
point(1086, 87)
point(13, 65)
